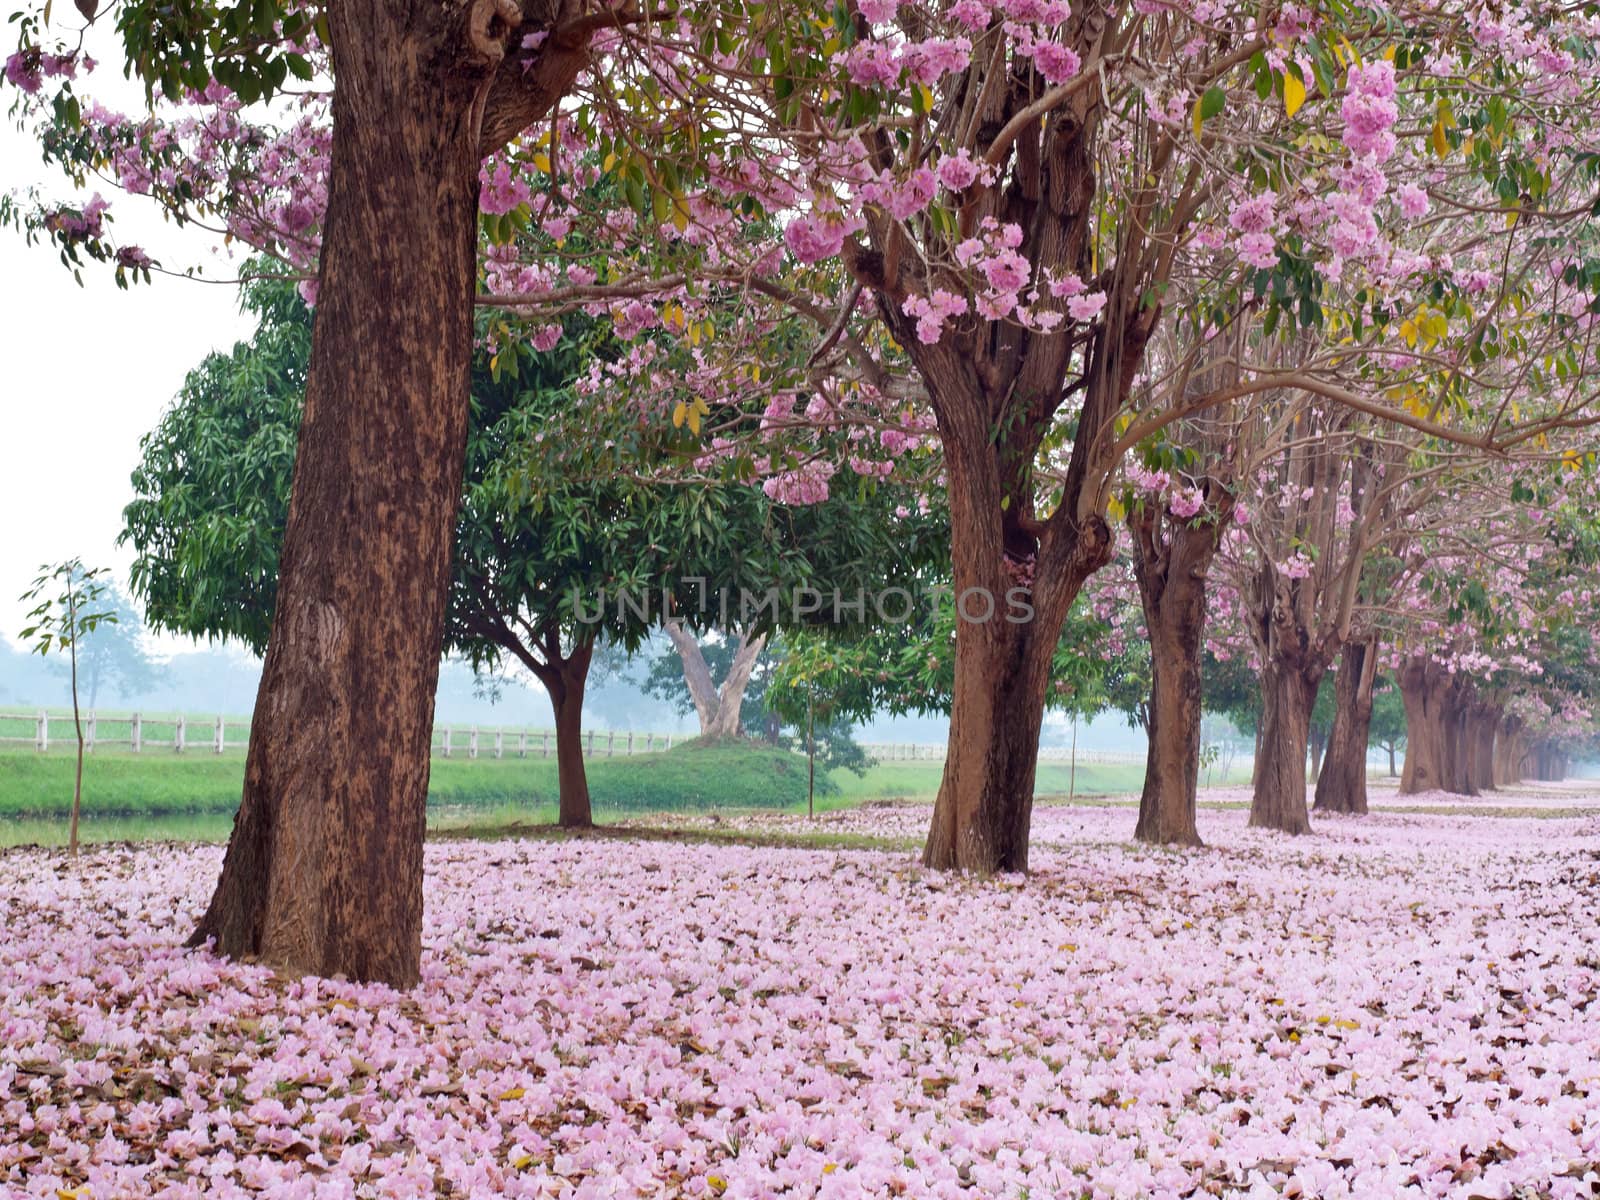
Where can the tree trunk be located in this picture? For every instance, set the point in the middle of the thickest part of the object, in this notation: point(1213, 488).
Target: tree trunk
point(1420, 693)
point(1317, 740)
point(1483, 719)
point(982, 814)
point(1456, 751)
point(718, 709)
point(730, 697)
point(1171, 572)
point(565, 681)
point(1342, 784)
point(1508, 752)
point(1279, 801)
point(323, 872)
point(1393, 774)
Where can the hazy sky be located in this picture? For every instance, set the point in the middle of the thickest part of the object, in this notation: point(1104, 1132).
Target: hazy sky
point(87, 372)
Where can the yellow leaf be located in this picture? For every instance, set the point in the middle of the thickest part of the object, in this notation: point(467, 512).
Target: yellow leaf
point(717, 1184)
point(829, 1168)
point(1294, 93)
point(1441, 144)
point(1199, 120)
point(73, 1193)
point(1346, 1023)
point(609, 163)
point(1116, 510)
point(679, 412)
point(515, 1093)
point(521, 1161)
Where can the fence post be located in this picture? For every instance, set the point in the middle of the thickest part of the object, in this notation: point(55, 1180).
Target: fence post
point(472, 743)
point(177, 736)
point(499, 744)
point(611, 742)
point(136, 733)
point(447, 741)
point(522, 744)
point(630, 743)
point(669, 741)
point(591, 743)
point(42, 738)
point(546, 736)
point(88, 733)
point(222, 733)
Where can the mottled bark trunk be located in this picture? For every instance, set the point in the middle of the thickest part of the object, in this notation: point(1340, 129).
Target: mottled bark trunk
point(1279, 801)
point(1508, 752)
point(323, 872)
point(1393, 774)
point(719, 709)
point(1419, 692)
point(1342, 784)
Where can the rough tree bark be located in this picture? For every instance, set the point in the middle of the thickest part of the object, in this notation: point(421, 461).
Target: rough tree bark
point(323, 872)
point(1420, 693)
point(984, 807)
point(1509, 750)
point(717, 708)
point(1342, 783)
point(1482, 721)
point(1288, 693)
point(1455, 757)
point(1171, 572)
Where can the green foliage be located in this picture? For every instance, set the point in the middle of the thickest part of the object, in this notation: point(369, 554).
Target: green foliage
point(68, 606)
point(544, 543)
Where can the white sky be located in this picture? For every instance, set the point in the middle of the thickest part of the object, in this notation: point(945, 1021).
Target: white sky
point(84, 373)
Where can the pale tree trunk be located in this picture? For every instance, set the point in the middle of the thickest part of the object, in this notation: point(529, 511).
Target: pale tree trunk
point(1317, 742)
point(1508, 752)
point(718, 709)
point(77, 720)
point(1171, 574)
point(323, 873)
point(1342, 784)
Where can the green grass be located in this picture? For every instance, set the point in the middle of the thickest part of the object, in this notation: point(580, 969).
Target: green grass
point(920, 781)
point(690, 777)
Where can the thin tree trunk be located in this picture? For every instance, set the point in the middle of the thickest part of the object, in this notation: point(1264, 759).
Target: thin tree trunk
point(1317, 740)
point(77, 720)
point(323, 872)
point(1342, 784)
point(1279, 801)
point(1392, 772)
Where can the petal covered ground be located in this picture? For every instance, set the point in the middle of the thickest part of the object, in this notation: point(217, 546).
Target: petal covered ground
point(1402, 1005)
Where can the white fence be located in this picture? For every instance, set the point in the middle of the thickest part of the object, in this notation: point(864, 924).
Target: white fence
point(178, 733)
point(934, 752)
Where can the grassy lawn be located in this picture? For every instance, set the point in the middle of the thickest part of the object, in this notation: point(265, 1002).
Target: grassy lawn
point(685, 778)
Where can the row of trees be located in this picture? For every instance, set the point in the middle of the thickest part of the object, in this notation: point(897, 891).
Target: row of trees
point(1136, 264)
